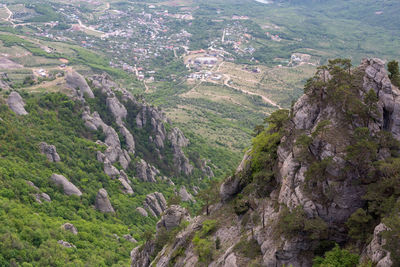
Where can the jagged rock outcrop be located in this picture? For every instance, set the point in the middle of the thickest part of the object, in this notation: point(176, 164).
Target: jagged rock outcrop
point(327, 197)
point(140, 256)
point(123, 178)
point(16, 103)
point(76, 81)
point(68, 187)
point(146, 172)
point(375, 251)
point(172, 217)
point(232, 186)
point(107, 86)
point(185, 195)
point(109, 169)
point(130, 142)
point(117, 109)
point(50, 152)
point(376, 78)
point(69, 227)
point(102, 202)
point(142, 211)
point(155, 203)
point(178, 141)
point(93, 121)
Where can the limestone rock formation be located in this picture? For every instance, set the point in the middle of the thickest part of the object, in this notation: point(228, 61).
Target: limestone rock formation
point(102, 202)
point(172, 217)
point(16, 103)
point(69, 227)
point(68, 187)
point(116, 108)
point(375, 251)
point(140, 256)
point(231, 186)
point(109, 169)
point(146, 172)
point(327, 197)
point(130, 142)
point(93, 121)
point(178, 141)
point(123, 178)
point(142, 211)
point(50, 152)
point(155, 203)
point(76, 81)
point(185, 195)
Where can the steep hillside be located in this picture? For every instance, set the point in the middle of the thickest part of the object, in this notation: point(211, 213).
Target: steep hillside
point(83, 175)
point(322, 180)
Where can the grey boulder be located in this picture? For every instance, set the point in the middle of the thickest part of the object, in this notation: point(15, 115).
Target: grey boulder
point(68, 187)
point(16, 104)
point(102, 202)
point(50, 152)
point(77, 82)
point(155, 203)
point(69, 227)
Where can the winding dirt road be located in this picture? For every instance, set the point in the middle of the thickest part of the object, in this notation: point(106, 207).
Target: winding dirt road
point(266, 99)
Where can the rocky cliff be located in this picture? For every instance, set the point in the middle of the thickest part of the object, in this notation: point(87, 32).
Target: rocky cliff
point(314, 177)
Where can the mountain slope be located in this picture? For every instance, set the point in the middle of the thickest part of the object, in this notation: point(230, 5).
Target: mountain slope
point(83, 175)
point(324, 173)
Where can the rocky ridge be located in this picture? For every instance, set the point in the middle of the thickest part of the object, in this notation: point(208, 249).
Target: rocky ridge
point(325, 126)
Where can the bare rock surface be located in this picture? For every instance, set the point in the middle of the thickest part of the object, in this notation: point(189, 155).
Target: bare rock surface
point(68, 187)
point(102, 202)
point(129, 140)
point(69, 227)
point(123, 178)
point(172, 217)
point(50, 151)
point(16, 103)
point(178, 141)
point(117, 109)
point(185, 195)
point(155, 203)
point(375, 251)
point(142, 211)
point(77, 82)
point(146, 172)
point(333, 199)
